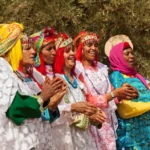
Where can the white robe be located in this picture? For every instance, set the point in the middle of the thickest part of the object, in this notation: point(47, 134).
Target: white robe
point(70, 137)
point(98, 84)
point(14, 137)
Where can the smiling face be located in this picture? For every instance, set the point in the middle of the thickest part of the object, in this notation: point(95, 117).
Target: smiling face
point(28, 56)
point(129, 57)
point(49, 53)
point(90, 50)
point(69, 57)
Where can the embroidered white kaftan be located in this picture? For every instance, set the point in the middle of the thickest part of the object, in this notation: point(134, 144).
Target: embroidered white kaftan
point(70, 137)
point(97, 83)
point(45, 127)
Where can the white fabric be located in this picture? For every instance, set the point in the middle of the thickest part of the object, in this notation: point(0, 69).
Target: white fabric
point(100, 80)
point(70, 137)
point(45, 138)
point(33, 86)
point(38, 76)
point(14, 137)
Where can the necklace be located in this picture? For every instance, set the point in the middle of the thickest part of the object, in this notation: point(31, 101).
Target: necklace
point(23, 77)
point(74, 84)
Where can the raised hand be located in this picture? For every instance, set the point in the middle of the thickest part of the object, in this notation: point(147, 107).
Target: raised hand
point(56, 99)
point(51, 87)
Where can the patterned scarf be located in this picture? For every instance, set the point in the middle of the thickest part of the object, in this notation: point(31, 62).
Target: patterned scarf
point(41, 39)
point(26, 42)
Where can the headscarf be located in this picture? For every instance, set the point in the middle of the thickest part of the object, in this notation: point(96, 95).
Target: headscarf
point(81, 39)
point(40, 40)
point(62, 42)
point(118, 63)
point(26, 42)
point(10, 35)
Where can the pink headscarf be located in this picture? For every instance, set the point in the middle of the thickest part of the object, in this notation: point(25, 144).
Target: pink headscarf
point(118, 63)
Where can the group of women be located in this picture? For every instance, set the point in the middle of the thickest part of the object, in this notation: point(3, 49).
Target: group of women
point(56, 95)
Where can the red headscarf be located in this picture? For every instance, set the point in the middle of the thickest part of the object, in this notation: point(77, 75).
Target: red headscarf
point(80, 40)
point(62, 42)
point(118, 63)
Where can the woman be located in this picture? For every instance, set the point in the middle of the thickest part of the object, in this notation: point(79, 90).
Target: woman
point(72, 127)
point(19, 130)
point(44, 44)
point(99, 91)
point(133, 130)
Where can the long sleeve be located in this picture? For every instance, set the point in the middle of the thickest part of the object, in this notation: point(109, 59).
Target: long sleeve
point(12, 104)
point(99, 101)
point(23, 107)
point(116, 79)
point(47, 115)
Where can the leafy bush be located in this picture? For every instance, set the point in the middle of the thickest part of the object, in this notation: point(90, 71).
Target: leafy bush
point(105, 17)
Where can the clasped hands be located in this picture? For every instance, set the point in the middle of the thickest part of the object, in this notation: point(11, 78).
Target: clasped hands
point(126, 92)
point(95, 114)
point(53, 92)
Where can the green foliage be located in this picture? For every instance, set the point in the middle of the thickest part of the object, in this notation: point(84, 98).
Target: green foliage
point(105, 17)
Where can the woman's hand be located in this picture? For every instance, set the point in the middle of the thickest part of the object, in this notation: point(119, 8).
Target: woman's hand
point(126, 91)
point(86, 108)
point(50, 88)
point(56, 99)
point(98, 118)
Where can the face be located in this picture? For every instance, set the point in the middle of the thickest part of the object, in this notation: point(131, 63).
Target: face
point(28, 56)
point(129, 57)
point(69, 57)
point(49, 53)
point(90, 50)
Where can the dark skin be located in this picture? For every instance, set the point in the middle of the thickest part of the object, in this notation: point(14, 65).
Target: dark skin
point(49, 53)
point(129, 57)
point(58, 86)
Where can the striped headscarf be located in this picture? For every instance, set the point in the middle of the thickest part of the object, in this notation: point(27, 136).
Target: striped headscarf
point(41, 39)
point(10, 35)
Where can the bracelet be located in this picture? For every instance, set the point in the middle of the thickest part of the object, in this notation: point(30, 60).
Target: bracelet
point(40, 101)
point(112, 94)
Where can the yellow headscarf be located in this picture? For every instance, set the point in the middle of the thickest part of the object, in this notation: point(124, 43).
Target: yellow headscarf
point(10, 35)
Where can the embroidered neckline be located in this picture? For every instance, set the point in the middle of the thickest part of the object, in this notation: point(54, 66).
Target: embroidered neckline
point(23, 77)
point(74, 84)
